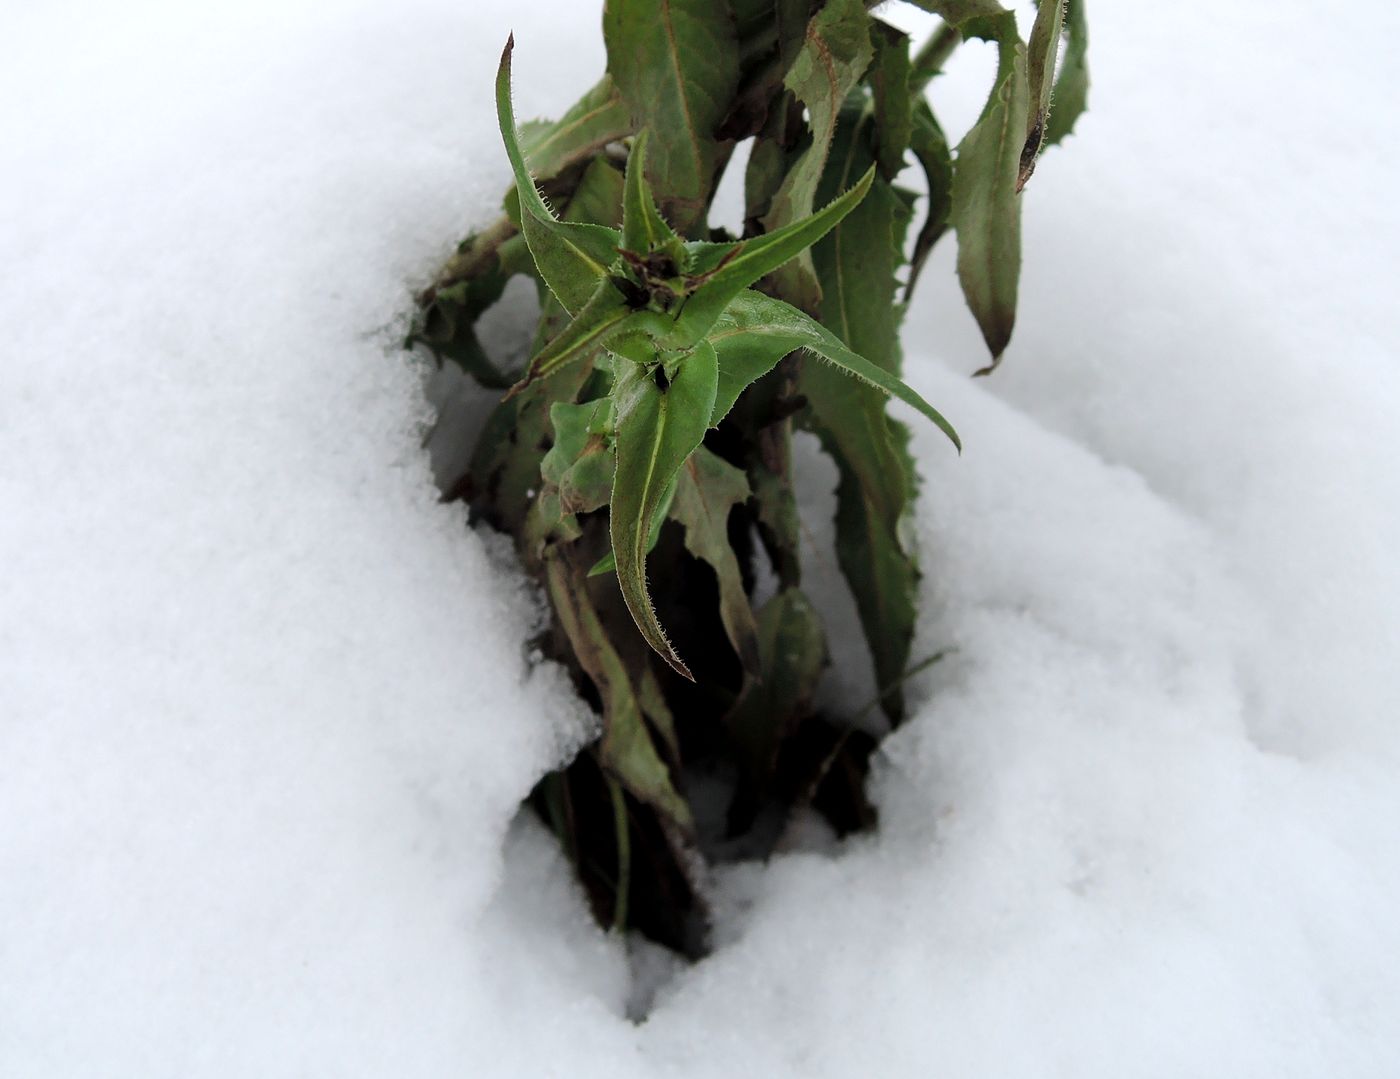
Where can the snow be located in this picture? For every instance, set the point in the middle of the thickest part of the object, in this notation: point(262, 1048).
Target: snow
point(267, 706)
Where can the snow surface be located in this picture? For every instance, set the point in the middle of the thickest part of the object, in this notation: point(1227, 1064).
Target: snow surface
point(266, 707)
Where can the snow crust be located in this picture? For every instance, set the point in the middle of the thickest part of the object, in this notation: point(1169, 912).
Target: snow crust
point(267, 708)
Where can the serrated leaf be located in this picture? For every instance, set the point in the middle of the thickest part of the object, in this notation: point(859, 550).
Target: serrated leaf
point(835, 53)
point(857, 263)
point(660, 421)
point(985, 210)
point(627, 749)
point(676, 65)
point(709, 488)
point(605, 315)
point(930, 148)
point(572, 258)
point(889, 85)
point(731, 268)
point(786, 328)
point(598, 118)
point(643, 228)
point(1072, 84)
point(1042, 50)
point(792, 652)
point(608, 563)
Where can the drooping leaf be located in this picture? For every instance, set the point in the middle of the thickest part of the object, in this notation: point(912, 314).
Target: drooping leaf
point(1072, 85)
point(627, 749)
point(889, 84)
point(856, 264)
point(728, 269)
point(598, 118)
point(786, 329)
point(985, 210)
point(792, 652)
point(1042, 50)
point(676, 64)
point(661, 418)
point(930, 148)
point(835, 53)
point(709, 488)
point(572, 258)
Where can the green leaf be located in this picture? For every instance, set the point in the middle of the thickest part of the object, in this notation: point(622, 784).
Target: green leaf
point(930, 148)
point(728, 269)
point(598, 197)
point(792, 653)
point(598, 118)
point(572, 258)
point(709, 488)
point(1072, 85)
point(676, 65)
point(580, 464)
point(985, 210)
point(889, 83)
point(857, 263)
point(833, 57)
point(505, 468)
point(627, 749)
point(786, 328)
point(660, 420)
point(643, 228)
point(1041, 52)
point(608, 563)
point(605, 315)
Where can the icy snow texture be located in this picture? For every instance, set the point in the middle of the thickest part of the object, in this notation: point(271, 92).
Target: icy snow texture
point(266, 711)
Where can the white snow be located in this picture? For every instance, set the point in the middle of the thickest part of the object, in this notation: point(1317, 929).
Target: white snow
point(265, 709)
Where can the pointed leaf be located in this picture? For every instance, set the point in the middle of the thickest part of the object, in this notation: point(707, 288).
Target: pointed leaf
point(643, 228)
point(985, 210)
point(856, 265)
point(833, 57)
point(786, 327)
point(709, 488)
point(731, 268)
point(1042, 50)
point(676, 64)
point(604, 315)
point(572, 258)
point(1072, 85)
point(608, 563)
point(660, 421)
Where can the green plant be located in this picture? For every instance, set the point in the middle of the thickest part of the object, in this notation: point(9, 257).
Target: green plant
point(649, 435)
